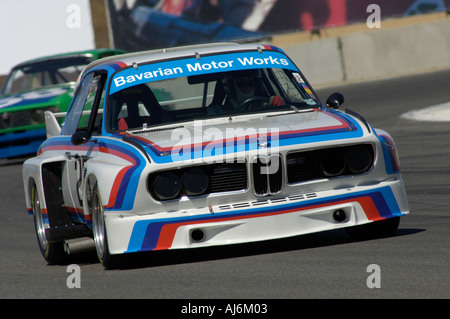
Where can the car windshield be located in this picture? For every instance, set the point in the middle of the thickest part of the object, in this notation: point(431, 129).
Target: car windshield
point(136, 103)
point(45, 73)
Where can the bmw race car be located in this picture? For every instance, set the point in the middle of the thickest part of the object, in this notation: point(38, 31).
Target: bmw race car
point(36, 86)
point(201, 146)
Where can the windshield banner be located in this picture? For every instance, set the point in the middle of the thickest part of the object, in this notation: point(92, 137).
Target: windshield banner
point(202, 65)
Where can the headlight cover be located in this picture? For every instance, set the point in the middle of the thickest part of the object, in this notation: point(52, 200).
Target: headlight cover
point(166, 185)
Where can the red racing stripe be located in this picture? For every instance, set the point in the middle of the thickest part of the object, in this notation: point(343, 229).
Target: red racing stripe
point(168, 231)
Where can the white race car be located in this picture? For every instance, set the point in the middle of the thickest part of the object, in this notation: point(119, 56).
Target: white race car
point(201, 146)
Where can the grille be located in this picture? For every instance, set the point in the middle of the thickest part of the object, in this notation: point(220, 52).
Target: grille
point(262, 203)
point(331, 162)
point(303, 166)
point(267, 175)
point(222, 177)
point(227, 177)
point(14, 119)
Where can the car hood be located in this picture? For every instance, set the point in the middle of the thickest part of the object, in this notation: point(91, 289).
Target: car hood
point(222, 136)
point(44, 96)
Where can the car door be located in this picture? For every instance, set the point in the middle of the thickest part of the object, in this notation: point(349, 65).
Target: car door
point(85, 115)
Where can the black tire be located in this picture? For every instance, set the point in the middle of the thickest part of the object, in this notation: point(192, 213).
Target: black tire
point(53, 253)
point(378, 229)
point(98, 227)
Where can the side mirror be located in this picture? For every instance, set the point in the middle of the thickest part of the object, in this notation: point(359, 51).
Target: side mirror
point(335, 100)
point(80, 137)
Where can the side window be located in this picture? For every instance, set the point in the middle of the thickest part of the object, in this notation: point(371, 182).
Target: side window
point(89, 94)
point(74, 114)
point(99, 117)
point(94, 97)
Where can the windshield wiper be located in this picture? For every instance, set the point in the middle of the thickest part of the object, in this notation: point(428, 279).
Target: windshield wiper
point(294, 108)
point(162, 127)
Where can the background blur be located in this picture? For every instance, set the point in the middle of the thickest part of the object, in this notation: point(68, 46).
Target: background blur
point(324, 36)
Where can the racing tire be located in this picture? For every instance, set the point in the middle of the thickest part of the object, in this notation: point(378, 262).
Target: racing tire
point(100, 237)
point(378, 229)
point(53, 253)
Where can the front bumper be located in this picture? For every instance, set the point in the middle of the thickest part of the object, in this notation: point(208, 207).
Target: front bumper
point(255, 221)
point(21, 143)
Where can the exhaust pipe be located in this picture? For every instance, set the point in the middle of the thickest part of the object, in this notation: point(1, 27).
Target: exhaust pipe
point(78, 245)
point(339, 215)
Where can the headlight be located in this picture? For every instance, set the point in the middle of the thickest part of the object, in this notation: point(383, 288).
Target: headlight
point(166, 185)
point(333, 162)
point(37, 116)
point(195, 181)
point(359, 159)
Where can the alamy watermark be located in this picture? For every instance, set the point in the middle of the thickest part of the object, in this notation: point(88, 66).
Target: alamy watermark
point(374, 19)
point(74, 279)
point(73, 20)
point(374, 279)
point(228, 145)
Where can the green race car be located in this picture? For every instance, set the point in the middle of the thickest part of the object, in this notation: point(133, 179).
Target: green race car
point(33, 87)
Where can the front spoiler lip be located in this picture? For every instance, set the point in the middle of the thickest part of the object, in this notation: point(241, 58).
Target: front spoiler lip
point(256, 223)
point(21, 143)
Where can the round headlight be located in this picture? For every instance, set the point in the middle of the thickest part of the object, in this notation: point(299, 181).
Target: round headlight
point(166, 185)
point(333, 162)
point(6, 120)
point(359, 159)
point(37, 116)
point(195, 181)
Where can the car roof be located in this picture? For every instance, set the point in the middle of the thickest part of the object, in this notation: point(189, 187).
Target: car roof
point(93, 52)
point(169, 53)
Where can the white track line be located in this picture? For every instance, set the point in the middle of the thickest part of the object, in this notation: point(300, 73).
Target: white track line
point(435, 113)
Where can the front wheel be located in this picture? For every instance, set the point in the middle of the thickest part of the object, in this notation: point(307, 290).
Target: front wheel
point(99, 230)
point(53, 253)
